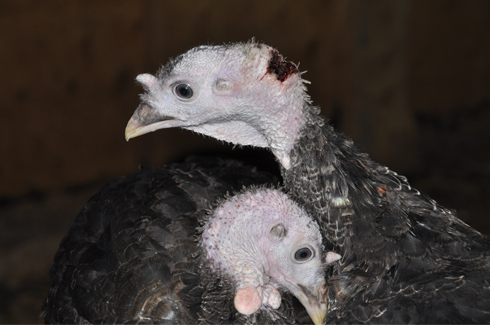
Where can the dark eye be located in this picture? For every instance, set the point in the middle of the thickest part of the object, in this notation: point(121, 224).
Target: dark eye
point(303, 254)
point(183, 91)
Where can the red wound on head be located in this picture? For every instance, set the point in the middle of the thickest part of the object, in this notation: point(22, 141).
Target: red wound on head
point(283, 69)
point(247, 300)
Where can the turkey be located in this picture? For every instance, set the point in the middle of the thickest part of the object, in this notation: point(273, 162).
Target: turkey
point(132, 256)
point(404, 258)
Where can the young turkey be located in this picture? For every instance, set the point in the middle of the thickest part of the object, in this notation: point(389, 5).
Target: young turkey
point(404, 257)
point(132, 256)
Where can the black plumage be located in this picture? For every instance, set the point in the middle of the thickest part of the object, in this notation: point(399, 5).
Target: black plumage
point(131, 255)
point(405, 259)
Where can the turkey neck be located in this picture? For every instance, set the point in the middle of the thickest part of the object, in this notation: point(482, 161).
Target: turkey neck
point(333, 181)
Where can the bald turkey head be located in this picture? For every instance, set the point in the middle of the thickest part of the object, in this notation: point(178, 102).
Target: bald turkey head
point(266, 243)
point(244, 93)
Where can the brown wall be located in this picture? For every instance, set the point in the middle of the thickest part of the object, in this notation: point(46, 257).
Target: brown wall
point(449, 54)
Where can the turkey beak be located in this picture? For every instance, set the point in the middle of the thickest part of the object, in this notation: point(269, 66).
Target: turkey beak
point(315, 305)
point(133, 129)
point(144, 120)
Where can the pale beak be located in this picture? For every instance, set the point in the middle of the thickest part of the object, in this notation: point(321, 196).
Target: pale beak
point(144, 121)
point(133, 129)
point(315, 306)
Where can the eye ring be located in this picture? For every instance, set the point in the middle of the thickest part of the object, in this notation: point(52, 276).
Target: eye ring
point(303, 255)
point(184, 91)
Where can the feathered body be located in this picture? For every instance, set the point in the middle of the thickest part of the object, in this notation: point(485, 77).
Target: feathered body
point(132, 257)
point(405, 259)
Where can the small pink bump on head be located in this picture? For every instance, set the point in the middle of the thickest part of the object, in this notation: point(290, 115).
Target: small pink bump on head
point(146, 80)
point(247, 300)
point(331, 257)
point(273, 296)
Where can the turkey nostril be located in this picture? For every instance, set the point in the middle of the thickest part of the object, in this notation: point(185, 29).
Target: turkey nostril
point(143, 112)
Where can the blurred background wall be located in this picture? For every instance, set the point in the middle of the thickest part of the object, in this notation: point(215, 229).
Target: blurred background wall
point(409, 81)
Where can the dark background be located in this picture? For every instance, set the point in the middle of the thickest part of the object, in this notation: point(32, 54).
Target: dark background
point(409, 81)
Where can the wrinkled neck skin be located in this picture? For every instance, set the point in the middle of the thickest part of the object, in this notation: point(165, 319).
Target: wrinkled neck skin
point(284, 130)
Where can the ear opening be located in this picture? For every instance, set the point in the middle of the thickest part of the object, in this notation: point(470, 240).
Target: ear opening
point(279, 231)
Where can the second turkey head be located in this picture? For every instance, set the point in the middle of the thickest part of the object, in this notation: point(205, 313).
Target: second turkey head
point(267, 244)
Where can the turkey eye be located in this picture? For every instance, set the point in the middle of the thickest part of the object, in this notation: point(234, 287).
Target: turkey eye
point(184, 91)
point(303, 254)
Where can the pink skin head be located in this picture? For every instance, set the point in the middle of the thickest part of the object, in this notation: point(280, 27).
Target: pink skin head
point(265, 242)
point(246, 94)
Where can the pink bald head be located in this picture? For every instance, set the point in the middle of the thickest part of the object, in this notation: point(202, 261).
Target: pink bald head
point(265, 242)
